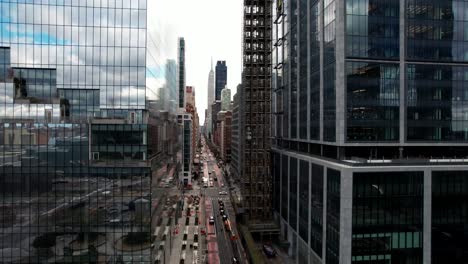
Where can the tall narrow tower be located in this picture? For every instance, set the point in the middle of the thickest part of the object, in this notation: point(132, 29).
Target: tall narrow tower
point(255, 131)
point(181, 54)
point(211, 94)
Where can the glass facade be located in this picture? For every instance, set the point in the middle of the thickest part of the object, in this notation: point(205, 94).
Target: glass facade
point(316, 210)
point(315, 80)
point(304, 179)
point(449, 217)
point(333, 216)
point(284, 186)
point(373, 29)
point(436, 31)
point(329, 72)
point(303, 69)
point(76, 80)
point(373, 99)
point(387, 217)
point(220, 78)
point(437, 100)
point(276, 167)
point(293, 180)
point(293, 63)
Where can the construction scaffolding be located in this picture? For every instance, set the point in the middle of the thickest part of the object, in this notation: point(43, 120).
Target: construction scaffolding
point(256, 110)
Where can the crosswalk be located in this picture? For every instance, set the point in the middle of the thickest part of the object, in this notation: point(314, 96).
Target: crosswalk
point(224, 199)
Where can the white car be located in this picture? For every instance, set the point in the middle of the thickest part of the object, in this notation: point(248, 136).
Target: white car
point(223, 193)
point(211, 221)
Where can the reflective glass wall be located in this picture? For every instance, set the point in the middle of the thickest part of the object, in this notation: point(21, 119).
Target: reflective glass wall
point(76, 82)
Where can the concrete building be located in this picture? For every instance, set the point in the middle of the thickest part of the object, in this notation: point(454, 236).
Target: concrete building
point(369, 135)
point(211, 99)
point(185, 176)
point(226, 99)
point(256, 113)
point(221, 78)
point(181, 72)
point(215, 109)
point(225, 118)
point(191, 109)
point(236, 146)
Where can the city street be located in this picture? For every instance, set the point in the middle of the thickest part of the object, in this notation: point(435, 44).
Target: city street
point(228, 243)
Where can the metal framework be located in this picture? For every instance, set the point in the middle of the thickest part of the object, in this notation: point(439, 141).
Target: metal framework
point(256, 85)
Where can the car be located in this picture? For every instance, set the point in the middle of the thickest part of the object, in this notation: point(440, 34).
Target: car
point(225, 217)
point(269, 251)
point(221, 212)
point(222, 184)
point(235, 261)
point(223, 193)
point(215, 178)
point(211, 221)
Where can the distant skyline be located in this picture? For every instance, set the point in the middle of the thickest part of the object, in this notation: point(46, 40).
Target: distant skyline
point(212, 29)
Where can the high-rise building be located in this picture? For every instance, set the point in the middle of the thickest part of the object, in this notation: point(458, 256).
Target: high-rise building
point(256, 90)
point(76, 82)
point(236, 146)
point(184, 119)
point(211, 98)
point(181, 72)
point(191, 108)
point(215, 108)
point(226, 99)
point(221, 78)
point(225, 119)
point(186, 122)
point(370, 131)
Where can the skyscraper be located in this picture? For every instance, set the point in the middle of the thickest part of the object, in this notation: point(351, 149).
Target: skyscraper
point(255, 114)
point(75, 84)
point(221, 78)
point(211, 96)
point(181, 72)
point(185, 120)
point(226, 99)
point(369, 131)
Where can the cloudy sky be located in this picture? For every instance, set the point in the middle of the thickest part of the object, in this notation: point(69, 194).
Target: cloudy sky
point(211, 28)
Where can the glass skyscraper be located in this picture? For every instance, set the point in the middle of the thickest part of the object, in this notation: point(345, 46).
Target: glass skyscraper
point(369, 127)
point(77, 81)
point(220, 78)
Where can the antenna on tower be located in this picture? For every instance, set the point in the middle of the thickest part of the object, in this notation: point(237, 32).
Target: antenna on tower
point(211, 62)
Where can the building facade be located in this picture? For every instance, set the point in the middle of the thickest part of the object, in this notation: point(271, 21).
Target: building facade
point(225, 135)
point(368, 130)
point(211, 99)
point(181, 72)
point(256, 113)
point(191, 108)
point(226, 99)
point(236, 150)
point(76, 81)
point(221, 78)
point(185, 176)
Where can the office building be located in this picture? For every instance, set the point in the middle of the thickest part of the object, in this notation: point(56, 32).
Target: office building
point(185, 122)
point(256, 112)
point(369, 131)
point(181, 73)
point(75, 84)
point(191, 108)
point(225, 133)
point(221, 78)
point(226, 99)
point(236, 147)
point(211, 98)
